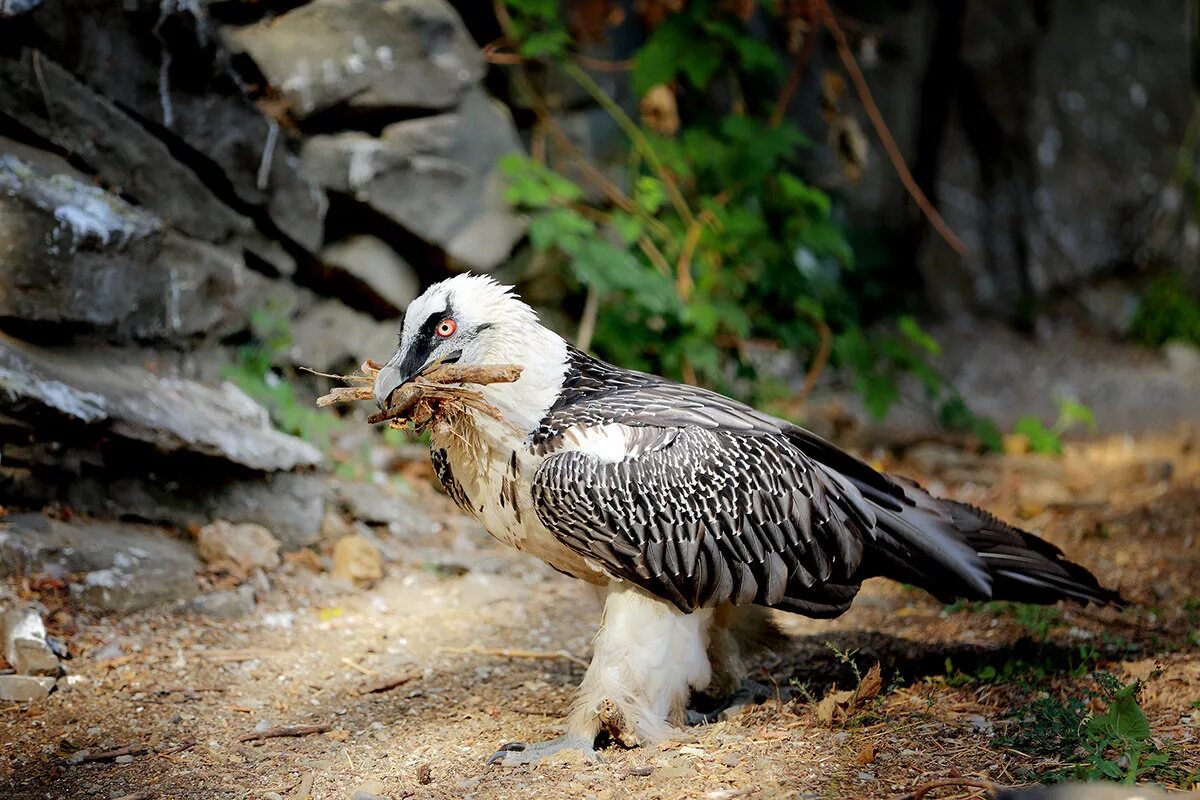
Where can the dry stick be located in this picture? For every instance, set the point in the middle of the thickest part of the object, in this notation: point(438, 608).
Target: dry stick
point(925, 788)
point(504, 653)
point(792, 85)
point(587, 323)
point(819, 360)
point(387, 684)
point(285, 731)
point(882, 131)
point(108, 755)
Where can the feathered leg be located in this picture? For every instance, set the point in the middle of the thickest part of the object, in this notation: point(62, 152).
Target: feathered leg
point(647, 659)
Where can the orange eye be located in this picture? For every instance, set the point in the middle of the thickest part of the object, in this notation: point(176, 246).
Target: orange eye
point(446, 328)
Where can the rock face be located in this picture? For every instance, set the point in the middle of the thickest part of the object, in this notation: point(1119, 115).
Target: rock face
point(365, 54)
point(131, 402)
point(379, 270)
point(436, 177)
point(124, 567)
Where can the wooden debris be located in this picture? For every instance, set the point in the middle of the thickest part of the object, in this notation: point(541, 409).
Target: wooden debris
point(839, 707)
point(106, 755)
point(437, 392)
point(285, 731)
point(387, 684)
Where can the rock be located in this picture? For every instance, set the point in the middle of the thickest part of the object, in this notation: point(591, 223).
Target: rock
point(124, 567)
point(13, 8)
point(377, 504)
point(334, 526)
point(226, 604)
point(369, 790)
point(73, 253)
point(166, 64)
point(120, 150)
point(24, 688)
point(127, 401)
point(1083, 108)
point(247, 545)
point(365, 54)
point(331, 336)
point(25, 645)
point(377, 269)
point(436, 176)
point(356, 560)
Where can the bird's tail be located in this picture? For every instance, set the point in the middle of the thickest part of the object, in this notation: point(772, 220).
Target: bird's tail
point(954, 550)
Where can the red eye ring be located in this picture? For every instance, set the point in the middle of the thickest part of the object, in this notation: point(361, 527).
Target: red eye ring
point(446, 328)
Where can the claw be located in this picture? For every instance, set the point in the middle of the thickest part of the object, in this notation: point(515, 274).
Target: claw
point(515, 754)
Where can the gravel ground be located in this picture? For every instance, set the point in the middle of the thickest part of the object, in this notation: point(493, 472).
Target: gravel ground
point(484, 646)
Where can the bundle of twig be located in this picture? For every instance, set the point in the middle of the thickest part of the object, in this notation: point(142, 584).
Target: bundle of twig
point(436, 393)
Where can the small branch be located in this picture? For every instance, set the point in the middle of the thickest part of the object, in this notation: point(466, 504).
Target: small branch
point(587, 323)
point(108, 755)
point(286, 731)
point(476, 650)
point(387, 684)
point(884, 134)
point(635, 135)
point(925, 788)
point(819, 360)
point(795, 75)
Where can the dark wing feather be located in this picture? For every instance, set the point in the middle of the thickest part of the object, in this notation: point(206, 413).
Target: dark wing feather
point(711, 517)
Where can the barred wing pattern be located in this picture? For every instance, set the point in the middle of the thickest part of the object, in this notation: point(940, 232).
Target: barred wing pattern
point(706, 516)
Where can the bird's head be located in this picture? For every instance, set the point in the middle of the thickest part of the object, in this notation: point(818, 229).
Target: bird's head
point(472, 319)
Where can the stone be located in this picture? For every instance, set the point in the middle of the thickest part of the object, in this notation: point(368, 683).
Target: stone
point(24, 688)
point(53, 104)
point(376, 269)
point(364, 54)
point(247, 545)
point(356, 560)
point(226, 604)
point(166, 65)
point(330, 336)
point(13, 8)
point(124, 567)
point(25, 645)
point(73, 253)
point(377, 504)
point(436, 176)
point(126, 400)
point(369, 790)
point(1058, 162)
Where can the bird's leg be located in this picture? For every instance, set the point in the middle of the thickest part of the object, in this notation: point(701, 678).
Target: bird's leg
point(647, 659)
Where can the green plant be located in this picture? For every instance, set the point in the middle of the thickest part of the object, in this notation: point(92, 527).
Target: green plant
point(1166, 311)
point(718, 240)
point(1114, 745)
point(1049, 440)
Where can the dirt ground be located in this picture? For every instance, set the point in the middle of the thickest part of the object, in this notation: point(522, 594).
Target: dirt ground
point(185, 689)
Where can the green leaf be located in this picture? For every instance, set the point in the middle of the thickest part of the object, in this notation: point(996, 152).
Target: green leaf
point(546, 44)
point(1071, 413)
point(649, 194)
point(658, 59)
point(627, 226)
point(917, 335)
point(1041, 439)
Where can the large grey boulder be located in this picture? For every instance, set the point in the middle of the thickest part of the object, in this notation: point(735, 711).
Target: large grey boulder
point(165, 65)
point(51, 102)
point(1057, 164)
point(73, 253)
point(128, 401)
point(375, 269)
point(436, 176)
point(331, 336)
point(123, 567)
point(365, 54)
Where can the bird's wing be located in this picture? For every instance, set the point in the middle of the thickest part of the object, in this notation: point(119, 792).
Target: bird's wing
point(702, 500)
point(702, 516)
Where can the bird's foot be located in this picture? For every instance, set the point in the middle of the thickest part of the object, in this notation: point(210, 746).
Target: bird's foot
point(516, 753)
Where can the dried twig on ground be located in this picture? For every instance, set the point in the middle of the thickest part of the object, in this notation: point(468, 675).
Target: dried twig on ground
point(435, 392)
point(505, 653)
point(285, 731)
point(107, 755)
point(387, 684)
point(925, 788)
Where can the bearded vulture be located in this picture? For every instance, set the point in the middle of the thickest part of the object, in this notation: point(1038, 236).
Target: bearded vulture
point(692, 512)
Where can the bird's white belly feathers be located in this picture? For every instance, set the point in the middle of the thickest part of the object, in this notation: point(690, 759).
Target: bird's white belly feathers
point(494, 469)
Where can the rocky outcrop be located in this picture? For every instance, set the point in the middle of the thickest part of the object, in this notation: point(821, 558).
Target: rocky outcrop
point(161, 238)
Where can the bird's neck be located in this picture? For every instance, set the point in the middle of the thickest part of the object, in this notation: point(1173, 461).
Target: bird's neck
point(543, 356)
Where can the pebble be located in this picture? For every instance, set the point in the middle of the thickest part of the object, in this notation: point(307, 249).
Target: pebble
point(247, 545)
point(124, 759)
point(225, 604)
point(356, 560)
point(25, 645)
point(866, 776)
point(24, 688)
point(272, 796)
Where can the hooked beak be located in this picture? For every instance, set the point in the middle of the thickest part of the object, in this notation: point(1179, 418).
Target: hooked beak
point(389, 379)
point(394, 375)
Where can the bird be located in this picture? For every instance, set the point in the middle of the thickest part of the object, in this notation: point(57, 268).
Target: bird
point(691, 513)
